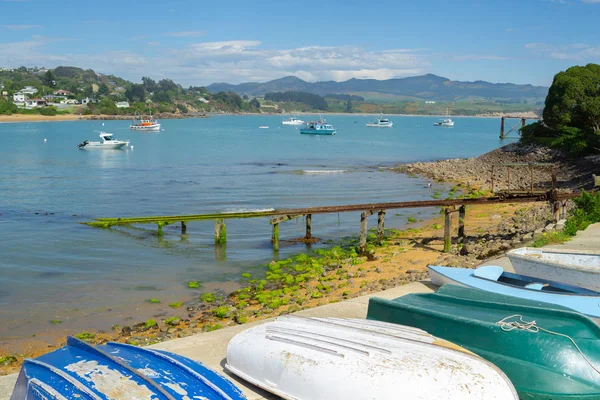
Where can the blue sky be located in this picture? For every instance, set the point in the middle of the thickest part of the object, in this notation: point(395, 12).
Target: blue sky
point(200, 42)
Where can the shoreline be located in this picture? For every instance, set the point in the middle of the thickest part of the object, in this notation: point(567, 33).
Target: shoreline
point(19, 118)
point(334, 274)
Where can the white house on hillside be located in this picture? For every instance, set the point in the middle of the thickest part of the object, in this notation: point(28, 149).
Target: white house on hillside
point(203, 100)
point(20, 97)
point(29, 90)
point(122, 104)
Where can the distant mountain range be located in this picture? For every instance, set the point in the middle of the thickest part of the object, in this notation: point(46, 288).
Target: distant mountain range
point(426, 87)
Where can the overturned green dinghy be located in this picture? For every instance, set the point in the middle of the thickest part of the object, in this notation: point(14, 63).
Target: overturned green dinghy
point(549, 352)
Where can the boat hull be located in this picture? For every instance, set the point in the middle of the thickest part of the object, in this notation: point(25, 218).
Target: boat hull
point(118, 371)
point(107, 146)
point(149, 128)
point(292, 123)
point(380, 125)
point(542, 366)
point(332, 358)
point(318, 131)
point(585, 304)
point(574, 268)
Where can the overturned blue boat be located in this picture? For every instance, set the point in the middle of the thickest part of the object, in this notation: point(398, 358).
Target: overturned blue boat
point(118, 371)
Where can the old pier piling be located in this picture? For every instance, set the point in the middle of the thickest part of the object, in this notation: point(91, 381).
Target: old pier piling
point(366, 210)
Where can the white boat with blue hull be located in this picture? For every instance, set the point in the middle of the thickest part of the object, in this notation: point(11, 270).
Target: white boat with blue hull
point(572, 267)
point(494, 279)
point(321, 127)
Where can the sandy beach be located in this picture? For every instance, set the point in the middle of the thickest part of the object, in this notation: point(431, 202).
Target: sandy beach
point(38, 118)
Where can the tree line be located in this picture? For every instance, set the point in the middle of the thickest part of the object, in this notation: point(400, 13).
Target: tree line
point(312, 100)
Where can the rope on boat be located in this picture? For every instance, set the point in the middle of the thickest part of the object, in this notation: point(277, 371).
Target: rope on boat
point(532, 326)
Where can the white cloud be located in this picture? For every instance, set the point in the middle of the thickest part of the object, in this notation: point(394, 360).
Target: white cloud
point(591, 1)
point(581, 52)
point(236, 61)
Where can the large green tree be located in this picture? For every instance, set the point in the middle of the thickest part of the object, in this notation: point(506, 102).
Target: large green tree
point(574, 99)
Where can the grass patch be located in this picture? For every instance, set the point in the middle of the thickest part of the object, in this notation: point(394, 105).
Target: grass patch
point(221, 312)
point(551, 238)
point(7, 360)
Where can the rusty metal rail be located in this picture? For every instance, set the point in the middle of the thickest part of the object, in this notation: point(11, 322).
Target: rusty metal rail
point(282, 215)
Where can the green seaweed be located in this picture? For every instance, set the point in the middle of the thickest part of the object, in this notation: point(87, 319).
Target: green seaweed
point(208, 297)
point(173, 321)
point(85, 336)
point(153, 300)
point(150, 323)
point(193, 284)
point(176, 305)
point(7, 360)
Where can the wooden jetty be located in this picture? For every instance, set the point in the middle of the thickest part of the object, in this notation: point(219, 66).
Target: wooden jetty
point(366, 210)
point(514, 128)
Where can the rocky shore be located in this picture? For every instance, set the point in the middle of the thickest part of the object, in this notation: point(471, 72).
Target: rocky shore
point(477, 172)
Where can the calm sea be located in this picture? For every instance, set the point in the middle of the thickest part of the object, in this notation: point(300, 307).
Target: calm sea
point(53, 267)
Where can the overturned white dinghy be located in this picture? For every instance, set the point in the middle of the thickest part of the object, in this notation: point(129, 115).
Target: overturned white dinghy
point(573, 267)
point(331, 358)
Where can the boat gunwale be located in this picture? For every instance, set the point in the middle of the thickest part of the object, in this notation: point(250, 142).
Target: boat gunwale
point(593, 294)
point(578, 267)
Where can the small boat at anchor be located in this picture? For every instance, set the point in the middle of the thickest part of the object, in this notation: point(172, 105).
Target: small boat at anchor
point(292, 121)
point(107, 142)
point(446, 121)
point(321, 127)
point(118, 371)
point(337, 358)
point(571, 267)
point(380, 123)
point(149, 124)
point(494, 279)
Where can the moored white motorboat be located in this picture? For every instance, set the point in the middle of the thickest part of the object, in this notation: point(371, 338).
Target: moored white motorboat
point(573, 267)
point(292, 121)
point(446, 121)
point(333, 358)
point(380, 123)
point(107, 142)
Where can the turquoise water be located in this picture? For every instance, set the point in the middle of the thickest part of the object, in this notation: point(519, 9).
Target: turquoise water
point(52, 266)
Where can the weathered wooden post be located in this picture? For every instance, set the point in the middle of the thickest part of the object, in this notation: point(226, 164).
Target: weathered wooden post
point(183, 228)
point(380, 226)
point(462, 211)
point(447, 229)
point(557, 206)
point(364, 222)
point(308, 227)
point(523, 122)
point(275, 237)
point(502, 128)
point(220, 231)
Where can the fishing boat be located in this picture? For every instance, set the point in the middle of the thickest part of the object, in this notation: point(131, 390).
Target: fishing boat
point(572, 267)
point(334, 358)
point(107, 141)
point(446, 121)
point(118, 371)
point(380, 123)
point(494, 279)
point(292, 121)
point(321, 127)
point(138, 123)
point(548, 352)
